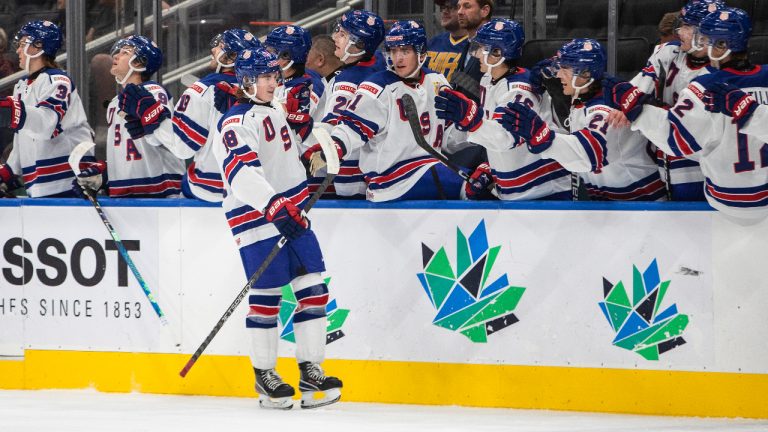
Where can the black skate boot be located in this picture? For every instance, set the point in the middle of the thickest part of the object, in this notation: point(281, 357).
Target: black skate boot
point(313, 380)
point(273, 392)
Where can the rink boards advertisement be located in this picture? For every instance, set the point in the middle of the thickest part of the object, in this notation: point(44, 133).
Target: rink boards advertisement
point(616, 303)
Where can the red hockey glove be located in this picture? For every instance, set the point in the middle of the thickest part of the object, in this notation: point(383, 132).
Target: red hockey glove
point(12, 113)
point(454, 106)
point(479, 182)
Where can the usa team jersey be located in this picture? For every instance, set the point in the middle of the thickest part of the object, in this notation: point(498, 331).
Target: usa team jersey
point(375, 123)
point(517, 173)
point(444, 53)
point(55, 123)
point(679, 72)
point(141, 167)
point(734, 163)
point(350, 180)
point(194, 122)
point(258, 156)
point(317, 104)
point(613, 162)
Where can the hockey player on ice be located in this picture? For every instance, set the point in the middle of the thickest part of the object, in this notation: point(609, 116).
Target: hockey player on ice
point(47, 116)
point(197, 114)
point(357, 35)
point(302, 92)
point(266, 190)
point(375, 124)
point(678, 63)
point(734, 159)
point(613, 162)
point(139, 162)
point(516, 173)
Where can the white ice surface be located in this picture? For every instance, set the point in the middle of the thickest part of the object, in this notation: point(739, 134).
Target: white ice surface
point(89, 410)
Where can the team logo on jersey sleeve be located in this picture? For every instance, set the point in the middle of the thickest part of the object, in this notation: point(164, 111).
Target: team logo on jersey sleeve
point(641, 325)
point(466, 298)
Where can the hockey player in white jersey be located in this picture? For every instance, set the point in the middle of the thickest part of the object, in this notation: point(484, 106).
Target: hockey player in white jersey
point(197, 113)
point(47, 116)
point(357, 35)
point(734, 163)
point(139, 165)
point(516, 173)
point(266, 190)
point(302, 92)
point(678, 63)
point(375, 123)
point(613, 163)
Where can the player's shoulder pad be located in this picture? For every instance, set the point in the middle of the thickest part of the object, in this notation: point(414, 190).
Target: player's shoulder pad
point(234, 116)
point(520, 80)
point(596, 105)
point(58, 77)
point(156, 88)
point(375, 84)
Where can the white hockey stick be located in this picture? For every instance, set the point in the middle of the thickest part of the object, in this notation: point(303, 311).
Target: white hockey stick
point(332, 164)
point(74, 162)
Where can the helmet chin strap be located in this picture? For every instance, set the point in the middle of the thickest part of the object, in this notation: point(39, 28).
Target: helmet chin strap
point(29, 57)
point(577, 89)
point(348, 54)
point(491, 66)
point(252, 96)
point(219, 64)
point(717, 59)
point(288, 66)
point(131, 70)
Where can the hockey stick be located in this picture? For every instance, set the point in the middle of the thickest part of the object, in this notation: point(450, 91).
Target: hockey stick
point(332, 162)
point(74, 162)
point(464, 83)
point(413, 121)
point(662, 82)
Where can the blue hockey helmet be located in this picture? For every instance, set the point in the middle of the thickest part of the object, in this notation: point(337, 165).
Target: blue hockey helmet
point(583, 55)
point(695, 10)
point(728, 28)
point(289, 42)
point(235, 40)
point(407, 32)
point(41, 34)
point(365, 29)
point(145, 51)
point(504, 35)
point(251, 63)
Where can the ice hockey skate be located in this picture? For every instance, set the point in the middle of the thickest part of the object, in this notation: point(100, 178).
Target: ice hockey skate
point(313, 381)
point(274, 393)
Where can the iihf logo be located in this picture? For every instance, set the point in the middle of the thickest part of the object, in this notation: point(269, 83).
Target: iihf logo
point(467, 300)
point(641, 325)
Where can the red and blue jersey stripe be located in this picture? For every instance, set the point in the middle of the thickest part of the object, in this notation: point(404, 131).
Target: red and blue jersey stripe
point(209, 181)
point(650, 188)
point(397, 173)
point(754, 196)
point(594, 145)
point(191, 133)
point(47, 170)
point(244, 218)
point(236, 159)
point(523, 179)
point(160, 186)
point(680, 141)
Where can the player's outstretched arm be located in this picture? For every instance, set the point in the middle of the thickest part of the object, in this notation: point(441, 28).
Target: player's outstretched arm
point(757, 124)
point(730, 100)
point(581, 151)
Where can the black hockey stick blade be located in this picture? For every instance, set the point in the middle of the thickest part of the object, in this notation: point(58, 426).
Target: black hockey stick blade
point(262, 268)
point(412, 114)
point(464, 83)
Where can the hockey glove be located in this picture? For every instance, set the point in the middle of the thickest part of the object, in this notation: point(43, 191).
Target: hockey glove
point(287, 218)
point(541, 71)
point(454, 106)
point(224, 96)
point(297, 106)
point(90, 178)
point(625, 97)
point(8, 180)
point(314, 159)
point(730, 100)
point(523, 123)
point(12, 113)
point(138, 102)
point(479, 182)
point(134, 127)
